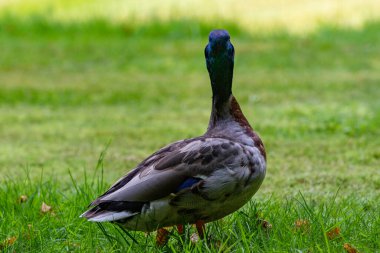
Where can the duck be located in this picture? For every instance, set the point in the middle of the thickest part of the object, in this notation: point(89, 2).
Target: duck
point(196, 180)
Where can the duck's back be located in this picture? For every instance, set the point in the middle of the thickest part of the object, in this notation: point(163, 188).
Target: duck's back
point(222, 176)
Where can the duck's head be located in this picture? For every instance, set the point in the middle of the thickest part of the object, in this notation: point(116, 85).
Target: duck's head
point(219, 46)
point(219, 54)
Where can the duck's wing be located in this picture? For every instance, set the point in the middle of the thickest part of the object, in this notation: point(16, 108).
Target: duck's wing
point(167, 171)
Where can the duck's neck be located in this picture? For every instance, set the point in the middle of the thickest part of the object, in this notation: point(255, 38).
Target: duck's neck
point(220, 70)
point(227, 111)
point(224, 105)
point(225, 108)
point(221, 83)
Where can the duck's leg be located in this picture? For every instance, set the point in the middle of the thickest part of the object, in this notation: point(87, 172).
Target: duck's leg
point(181, 232)
point(201, 228)
point(180, 229)
point(162, 236)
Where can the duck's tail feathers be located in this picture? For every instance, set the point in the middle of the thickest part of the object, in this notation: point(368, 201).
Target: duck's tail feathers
point(113, 211)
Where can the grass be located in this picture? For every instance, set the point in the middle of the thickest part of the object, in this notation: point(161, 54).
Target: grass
point(61, 230)
point(70, 90)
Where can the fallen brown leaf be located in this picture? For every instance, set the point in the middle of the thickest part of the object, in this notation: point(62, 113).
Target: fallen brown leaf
point(348, 247)
point(45, 208)
point(333, 233)
point(302, 225)
point(264, 224)
point(8, 242)
point(23, 198)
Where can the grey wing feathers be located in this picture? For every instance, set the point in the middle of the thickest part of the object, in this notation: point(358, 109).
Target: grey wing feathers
point(163, 172)
point(143, 166)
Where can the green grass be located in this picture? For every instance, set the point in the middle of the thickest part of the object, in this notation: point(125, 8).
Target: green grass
point(357, 218)
point(67, 91)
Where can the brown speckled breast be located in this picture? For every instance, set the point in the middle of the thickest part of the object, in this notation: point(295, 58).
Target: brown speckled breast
point(240, 118)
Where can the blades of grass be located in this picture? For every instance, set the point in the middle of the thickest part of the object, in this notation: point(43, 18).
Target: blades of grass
point(121, 234)
point(109, 237)
point(99, 164)
point(328, 211)
point(73, 181)
point(42, 175)
point(344, 218)
point(127, 233)
point(224, 245)
point(27, 173)
point(86, 188)
point(242, 213)
point(324, 231)
point(305, 205)
point(243, 238)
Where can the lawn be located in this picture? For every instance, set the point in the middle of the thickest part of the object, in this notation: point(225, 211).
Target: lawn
point(82, 104)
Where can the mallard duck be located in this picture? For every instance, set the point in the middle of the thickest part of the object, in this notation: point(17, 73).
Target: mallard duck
point(197, 180)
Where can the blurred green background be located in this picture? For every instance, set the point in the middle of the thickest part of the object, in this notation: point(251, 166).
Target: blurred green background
point(76, 76)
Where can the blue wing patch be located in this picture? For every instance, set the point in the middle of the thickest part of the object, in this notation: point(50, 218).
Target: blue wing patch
point(188, 183)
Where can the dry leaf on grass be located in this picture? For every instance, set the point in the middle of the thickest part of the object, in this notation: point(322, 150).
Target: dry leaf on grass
point(45, 208)
point(348, 247)
point(302, 225)
point(333, 233)
point(22, 198)
point(264, 224)
point(8, 242)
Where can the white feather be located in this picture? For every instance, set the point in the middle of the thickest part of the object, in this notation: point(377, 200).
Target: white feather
point(111, 216)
